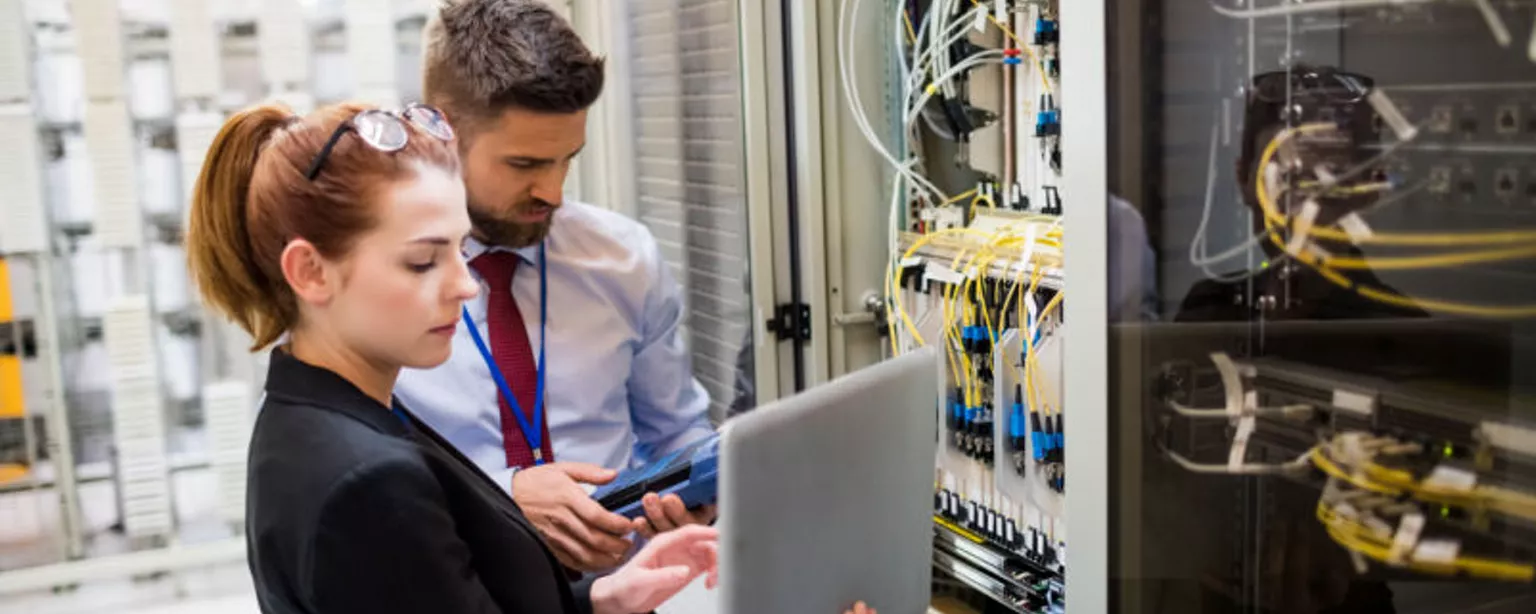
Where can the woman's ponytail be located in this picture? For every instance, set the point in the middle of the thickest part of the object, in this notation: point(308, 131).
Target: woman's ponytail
point(220, 254)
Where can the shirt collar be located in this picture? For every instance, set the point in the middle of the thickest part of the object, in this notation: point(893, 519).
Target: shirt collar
point(295, 381)
point(473, 248)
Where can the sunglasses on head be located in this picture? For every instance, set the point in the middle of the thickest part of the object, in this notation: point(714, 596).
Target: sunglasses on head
point(1330, 85)
point(385, 131)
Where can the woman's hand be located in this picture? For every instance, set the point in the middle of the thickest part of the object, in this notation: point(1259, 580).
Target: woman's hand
point(860, 608)
point(663, 567)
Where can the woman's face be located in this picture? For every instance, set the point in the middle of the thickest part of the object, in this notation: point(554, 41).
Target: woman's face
point(403, 282)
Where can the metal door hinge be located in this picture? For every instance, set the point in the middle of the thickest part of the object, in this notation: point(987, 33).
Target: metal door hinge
point(791, 321)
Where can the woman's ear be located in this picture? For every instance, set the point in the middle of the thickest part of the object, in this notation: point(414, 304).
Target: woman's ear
point(305, 271)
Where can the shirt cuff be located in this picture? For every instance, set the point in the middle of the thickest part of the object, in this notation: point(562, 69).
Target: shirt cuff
point(503, 478)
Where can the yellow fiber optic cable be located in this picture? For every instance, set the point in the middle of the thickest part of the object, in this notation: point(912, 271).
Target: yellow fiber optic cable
point(1273, 219)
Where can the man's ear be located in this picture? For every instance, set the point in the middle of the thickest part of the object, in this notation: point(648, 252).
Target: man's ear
point(305, 271)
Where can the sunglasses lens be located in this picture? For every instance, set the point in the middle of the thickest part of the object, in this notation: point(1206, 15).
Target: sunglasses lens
point(381, 130)
point(431, 121)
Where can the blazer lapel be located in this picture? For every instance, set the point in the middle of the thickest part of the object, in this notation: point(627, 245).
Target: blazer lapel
point(494, 491)
point(503, 501)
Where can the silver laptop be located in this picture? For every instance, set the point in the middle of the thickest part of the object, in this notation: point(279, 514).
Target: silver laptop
point(826, 498)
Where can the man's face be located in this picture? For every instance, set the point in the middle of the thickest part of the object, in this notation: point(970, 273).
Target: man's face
point(514, 171)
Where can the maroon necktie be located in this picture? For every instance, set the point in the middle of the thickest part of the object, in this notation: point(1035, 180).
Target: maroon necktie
point(513, 354)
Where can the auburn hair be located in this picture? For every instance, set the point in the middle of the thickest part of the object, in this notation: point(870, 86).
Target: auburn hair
point(252, 198)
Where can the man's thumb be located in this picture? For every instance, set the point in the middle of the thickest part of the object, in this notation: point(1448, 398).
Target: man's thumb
point(588, 474)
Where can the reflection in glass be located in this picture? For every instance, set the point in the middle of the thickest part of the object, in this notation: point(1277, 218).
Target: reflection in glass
point(1327, 407)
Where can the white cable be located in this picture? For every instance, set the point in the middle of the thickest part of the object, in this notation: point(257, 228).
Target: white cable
point(939, 10)
point(920, 64)
point(1299, 464)
point(1296, 410)
point(856, 103)
point(914, 79)
point(985, 57)
point(893, 243)
point(1320, 6)
point(1496, 25)
point(1199, 246)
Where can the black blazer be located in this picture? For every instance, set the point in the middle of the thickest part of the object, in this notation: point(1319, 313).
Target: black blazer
point(351, 509)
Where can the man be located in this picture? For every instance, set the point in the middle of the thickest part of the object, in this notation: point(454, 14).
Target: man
point(580, 317)
point(1303, 570)
point(1298, 292)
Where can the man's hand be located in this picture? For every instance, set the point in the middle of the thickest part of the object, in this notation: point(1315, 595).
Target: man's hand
point(662, 568)
point(667, 513)
point(583, 535)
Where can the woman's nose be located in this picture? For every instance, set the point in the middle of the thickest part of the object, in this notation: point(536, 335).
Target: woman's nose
point(465, 286)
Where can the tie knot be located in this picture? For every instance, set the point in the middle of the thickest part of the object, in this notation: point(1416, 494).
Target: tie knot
point(496, 268)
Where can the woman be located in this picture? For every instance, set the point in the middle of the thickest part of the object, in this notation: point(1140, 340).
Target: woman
point(342, 232)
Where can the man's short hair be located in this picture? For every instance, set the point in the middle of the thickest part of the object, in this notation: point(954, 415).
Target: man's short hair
point(483, 57)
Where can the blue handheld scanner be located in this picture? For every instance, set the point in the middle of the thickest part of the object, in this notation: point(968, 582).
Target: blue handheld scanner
point(690, 473)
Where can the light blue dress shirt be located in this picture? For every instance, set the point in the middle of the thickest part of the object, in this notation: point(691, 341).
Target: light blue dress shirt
point(619, 387)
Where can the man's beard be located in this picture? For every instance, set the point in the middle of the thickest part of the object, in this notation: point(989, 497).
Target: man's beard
point(494, 231)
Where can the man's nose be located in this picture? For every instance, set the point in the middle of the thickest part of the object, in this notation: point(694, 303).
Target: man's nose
point(550, 189)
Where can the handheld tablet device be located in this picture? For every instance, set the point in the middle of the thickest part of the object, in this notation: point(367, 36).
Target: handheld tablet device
point(689, 473)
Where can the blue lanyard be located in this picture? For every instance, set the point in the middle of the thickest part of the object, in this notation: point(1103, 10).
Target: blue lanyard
point(533, 433)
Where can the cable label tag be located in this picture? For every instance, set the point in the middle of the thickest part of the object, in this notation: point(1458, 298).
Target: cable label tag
point(1324, 178)
point(1496, 25)
point(1355, 402)
point(1272, 181)
point(1446, 477)
point(1245, 427)
point(1442, 551)
point(910, 262)
point(1408, 531)
point(981, 20)
point(1379, 527)
point(1355, 226)
point(1231, 382)
point(941, 274)
point(1302, 226)
point(1392, 115)
point(1345, 510)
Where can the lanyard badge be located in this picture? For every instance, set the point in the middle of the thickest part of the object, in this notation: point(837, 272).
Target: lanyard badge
point(533, 433)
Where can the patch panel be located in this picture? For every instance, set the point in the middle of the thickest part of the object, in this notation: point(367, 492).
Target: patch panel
point(1506, 182)
point(1507, 119)
point(1439, 180)
point(1441, 119)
